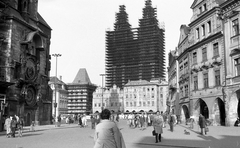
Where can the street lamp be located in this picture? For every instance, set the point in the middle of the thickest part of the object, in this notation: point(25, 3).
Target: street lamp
point(102, 88)
point(55, 81)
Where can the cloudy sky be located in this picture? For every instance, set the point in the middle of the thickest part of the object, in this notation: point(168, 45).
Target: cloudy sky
point(79, 26)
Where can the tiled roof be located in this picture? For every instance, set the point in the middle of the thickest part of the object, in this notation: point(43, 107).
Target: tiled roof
point(82, 77)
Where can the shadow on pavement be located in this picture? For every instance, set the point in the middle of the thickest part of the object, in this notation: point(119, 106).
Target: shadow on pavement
point(31, 134)
point(206, 142)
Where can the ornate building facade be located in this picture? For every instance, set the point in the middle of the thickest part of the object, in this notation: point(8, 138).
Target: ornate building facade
point(145, 96)
point(110, 98)
point(229, 15)
point(173, 92)
point(24, 61)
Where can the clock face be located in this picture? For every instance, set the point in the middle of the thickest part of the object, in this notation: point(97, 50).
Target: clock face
point(30, 97)
point(30, 72)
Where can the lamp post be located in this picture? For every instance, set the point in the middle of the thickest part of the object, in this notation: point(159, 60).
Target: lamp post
point(102, 88)
point(55, 81)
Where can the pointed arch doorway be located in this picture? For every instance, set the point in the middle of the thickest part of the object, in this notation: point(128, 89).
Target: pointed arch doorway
point(203, 108)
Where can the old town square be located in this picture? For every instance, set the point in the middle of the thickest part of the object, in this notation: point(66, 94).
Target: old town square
point(72, 136)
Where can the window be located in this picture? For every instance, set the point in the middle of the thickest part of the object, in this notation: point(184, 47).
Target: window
point(205, 7)
point(152, 103)
point(204, 54)
point(181, 91)
point(144, 104)
point(152, 95)
point(126, 104)
point(235, 27)
point(148, 103)
point(197, 33)
point(237, 66)
point(205, 79)
point(135, 104)
point(209, 27)
point(140, 103)
point(215, 50)
point(95, 104)
point(217, 78)
point(203, 30)
point(195, 82)
point(194, 57)
point(186, 90)
point(200, 10)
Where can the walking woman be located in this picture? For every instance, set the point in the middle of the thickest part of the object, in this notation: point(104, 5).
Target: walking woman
point(158, 126)
point(107, 134)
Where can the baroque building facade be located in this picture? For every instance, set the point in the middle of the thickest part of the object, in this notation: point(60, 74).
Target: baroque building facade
point(205, 53)
point(110, 98)
point(173, 92)
point(208, 57)
point(229, 14)
point(145, 96)
point(135, 53)
point(24, 61)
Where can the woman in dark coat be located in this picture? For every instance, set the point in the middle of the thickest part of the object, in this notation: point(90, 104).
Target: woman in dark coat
point(202, 124)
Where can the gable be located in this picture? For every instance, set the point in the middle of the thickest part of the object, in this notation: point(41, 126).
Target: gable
point(195, 3)
point(184, 31)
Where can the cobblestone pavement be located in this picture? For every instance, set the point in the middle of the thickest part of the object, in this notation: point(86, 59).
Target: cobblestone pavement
point(71, 136)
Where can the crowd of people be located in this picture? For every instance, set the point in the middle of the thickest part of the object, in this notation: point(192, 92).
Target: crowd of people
point(13, 124)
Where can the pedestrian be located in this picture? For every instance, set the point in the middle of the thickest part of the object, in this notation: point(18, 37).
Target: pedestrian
point(107, 134)
point(13, 126)
point(117, 117)
point(171, 121)
point(141, 120)
point(191, 122)
point(20, 126)
point(7, 125)
point(84, 120)
point(202, 124)
point(157, 123)
point(59, 119)
point(80, 120)
point(145, 118)
point(93, 121)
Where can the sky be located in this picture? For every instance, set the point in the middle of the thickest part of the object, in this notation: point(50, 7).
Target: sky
point(79, 28)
